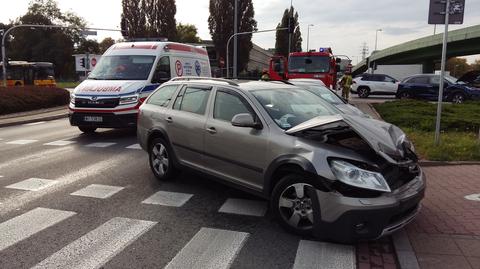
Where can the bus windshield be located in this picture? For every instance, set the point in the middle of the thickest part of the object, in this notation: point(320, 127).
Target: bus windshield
point(123, 67)
point(309, 64)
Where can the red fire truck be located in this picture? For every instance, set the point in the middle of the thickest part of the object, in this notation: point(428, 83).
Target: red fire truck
point(317, 65)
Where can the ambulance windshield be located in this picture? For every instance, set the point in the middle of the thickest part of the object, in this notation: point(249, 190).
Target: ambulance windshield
point(123, 67)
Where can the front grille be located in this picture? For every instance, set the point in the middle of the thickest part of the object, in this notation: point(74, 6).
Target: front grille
point(98, 103)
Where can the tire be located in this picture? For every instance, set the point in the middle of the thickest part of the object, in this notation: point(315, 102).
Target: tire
point(161, 159)
point(17, 84)
point(87, 130)
point(289, 207)
point(458, 98)
point(404, 95)
point(363, 92)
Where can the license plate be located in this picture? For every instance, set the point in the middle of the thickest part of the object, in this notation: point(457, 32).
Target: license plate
point(93, 119)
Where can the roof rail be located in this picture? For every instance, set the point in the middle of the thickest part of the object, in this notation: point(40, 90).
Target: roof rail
point(188, 78)
point(283, 81)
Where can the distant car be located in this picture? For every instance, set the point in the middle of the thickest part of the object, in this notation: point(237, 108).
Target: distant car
point(427, 86)
point(374, 84)
point(329, 96)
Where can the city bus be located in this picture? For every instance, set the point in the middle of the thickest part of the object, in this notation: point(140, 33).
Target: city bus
point(22, 73)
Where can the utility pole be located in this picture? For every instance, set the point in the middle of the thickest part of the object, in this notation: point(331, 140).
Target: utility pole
point(308, 35)
point(364, 50)
point(235, 40)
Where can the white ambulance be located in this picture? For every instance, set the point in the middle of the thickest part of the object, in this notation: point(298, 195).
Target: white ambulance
point(124, 77)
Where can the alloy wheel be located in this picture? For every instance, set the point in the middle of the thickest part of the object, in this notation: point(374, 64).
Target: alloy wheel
point(159, 159)
point(295, 206)
point(458, 98)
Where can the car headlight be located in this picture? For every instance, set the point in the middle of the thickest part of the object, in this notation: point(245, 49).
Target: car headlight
point(355, 176)
point(128, 99)
point(72, 98)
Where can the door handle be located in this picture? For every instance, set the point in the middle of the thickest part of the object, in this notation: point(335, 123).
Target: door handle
point(169, 119)
point(212, 130)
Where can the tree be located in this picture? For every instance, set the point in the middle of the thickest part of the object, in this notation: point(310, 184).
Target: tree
point(88, 46)
point(476, 65)
point(149, 19)
point(221, 22)
point(281, 41)
point(187, 33)
point(457, 66)
point(105, 44)
point(49, 45)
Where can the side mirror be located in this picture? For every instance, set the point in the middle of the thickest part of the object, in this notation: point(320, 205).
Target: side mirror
point(245, 120)
point(160, 77)
point(338, 60)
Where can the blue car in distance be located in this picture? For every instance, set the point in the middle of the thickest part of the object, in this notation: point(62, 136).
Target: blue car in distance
point(427, 86)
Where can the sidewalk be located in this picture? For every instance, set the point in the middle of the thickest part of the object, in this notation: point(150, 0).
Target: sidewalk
point(34, 116)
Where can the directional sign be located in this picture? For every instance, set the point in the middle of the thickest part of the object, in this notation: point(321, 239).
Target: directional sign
point(437, 11)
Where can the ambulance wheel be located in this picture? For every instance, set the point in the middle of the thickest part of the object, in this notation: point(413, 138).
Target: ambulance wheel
point(87, 130)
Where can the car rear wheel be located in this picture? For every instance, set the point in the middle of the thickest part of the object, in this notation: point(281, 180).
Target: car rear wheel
point(161, 161)
point(87, 130)
point(292, 204)
point(404, 95)
point(458, 98)
point(363, 92)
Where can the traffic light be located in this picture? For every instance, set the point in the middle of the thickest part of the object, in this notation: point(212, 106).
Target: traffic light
point(291, 25)
point(82, 62)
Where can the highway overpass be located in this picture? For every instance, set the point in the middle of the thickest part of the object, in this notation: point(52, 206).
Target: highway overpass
point(426, 50)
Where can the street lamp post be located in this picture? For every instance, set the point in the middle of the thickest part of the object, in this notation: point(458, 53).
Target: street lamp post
point(308, 35)
point(5, 34)
point(235, 41)
point(376, 37)
point(246, 33)
point(290, 34)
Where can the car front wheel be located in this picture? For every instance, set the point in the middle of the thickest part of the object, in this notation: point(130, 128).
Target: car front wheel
point(292, 204)
point(458, 98)
point(161, 161)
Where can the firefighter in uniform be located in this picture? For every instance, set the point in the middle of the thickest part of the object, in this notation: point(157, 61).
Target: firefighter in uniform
point(346, 84)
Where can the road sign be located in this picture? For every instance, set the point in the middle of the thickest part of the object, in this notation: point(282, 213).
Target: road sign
point(437, 12)
point(88, 32)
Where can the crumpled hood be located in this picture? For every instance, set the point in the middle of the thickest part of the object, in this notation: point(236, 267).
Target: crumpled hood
point(472, 77)
point(385, 139)
point(109, 87)
point(351, 110)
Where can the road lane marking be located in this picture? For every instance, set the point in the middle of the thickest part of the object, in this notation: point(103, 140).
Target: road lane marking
point(16, 201)
point(32, 184)
point(167, 198)
point(34, 123)
point(313, 254)
point(98, 191)
point(37, 157)
point(210, 249)
point(21, 142)
point(134, 146)
point(59, 143)
point(100, 145)
point(98, 246)
point(244, 207)
point(21, 227)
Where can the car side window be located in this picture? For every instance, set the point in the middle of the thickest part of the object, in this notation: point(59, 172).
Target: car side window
point(162, 70)
point(162, 96)
point(389, 79)
point(418, 80)
point(192, 99)
point(379, 78)
point(228, 104)
point(366, 78)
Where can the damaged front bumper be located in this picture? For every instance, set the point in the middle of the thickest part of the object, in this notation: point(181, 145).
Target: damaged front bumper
point(347, 219)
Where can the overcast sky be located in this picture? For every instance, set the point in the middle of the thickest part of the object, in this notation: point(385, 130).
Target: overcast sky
point(342, 24)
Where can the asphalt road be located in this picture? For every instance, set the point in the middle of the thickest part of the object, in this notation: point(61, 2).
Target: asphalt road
point(69, 200)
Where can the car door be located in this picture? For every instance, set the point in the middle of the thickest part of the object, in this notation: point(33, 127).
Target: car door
point(237, 154)
point(390, 85)
point(432, 92)
point(186, 123)
point(420, 86)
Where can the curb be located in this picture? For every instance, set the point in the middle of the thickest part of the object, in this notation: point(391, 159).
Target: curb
point(426, 163)
point(374, 111)
point(405, 254)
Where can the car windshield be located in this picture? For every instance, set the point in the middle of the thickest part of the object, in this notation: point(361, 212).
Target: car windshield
point(309, 64)
point(290, 107)
point(326, 94)
point(123, 67)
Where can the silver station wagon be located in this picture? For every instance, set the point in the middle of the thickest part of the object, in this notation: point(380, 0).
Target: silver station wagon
point(326, 174)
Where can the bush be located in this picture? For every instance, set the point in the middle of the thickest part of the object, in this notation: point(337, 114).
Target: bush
point(421, 116)
point(19, 99)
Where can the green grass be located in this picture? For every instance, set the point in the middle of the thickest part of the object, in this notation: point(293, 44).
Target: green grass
point(459, 125)
point(67, 84)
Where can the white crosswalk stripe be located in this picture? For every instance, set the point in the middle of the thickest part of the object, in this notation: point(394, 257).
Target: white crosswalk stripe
point(21, 227)
point(34, 123)
point(168, 198)
point(21, 142)
point(98, 191)
point(210, 249)
point(312, 254)
point(32, 184)
point(59, 143)
point(100, 144)
point(98, 246)
point(134, 146)
point(244, 207)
